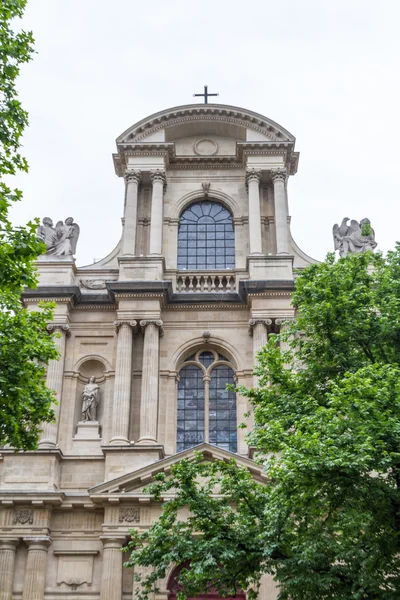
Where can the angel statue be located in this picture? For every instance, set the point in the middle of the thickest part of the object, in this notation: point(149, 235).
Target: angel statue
point(46, 232)
point(356, 237)
point(90, 400)
point(62, 240)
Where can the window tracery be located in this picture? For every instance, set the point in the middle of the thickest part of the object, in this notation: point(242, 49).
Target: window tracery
point(206, 238)
point(206, 409)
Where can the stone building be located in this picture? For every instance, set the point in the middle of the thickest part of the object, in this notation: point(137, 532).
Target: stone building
point(202, 273)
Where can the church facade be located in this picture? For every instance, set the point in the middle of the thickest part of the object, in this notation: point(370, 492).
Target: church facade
point(149, 337)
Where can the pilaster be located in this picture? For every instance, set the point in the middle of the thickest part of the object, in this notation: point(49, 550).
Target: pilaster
point(278, 177)
point(111, 573)
point(150, 376)
point(54, 381)
point(158, 180)
point(253, 177)
point(258, 329)
point(132, 180)
point(8, 548)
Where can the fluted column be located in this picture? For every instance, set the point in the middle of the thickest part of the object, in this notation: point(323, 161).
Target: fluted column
point(283, 325)
point(111, 572)
point(278, 177)
point(35, 570)
point(132, 180)
point(258, 329)
point(7, 563)
point(123, 383)
point(150, 376)
point(54, 381)
point(157, 208)
point(253, 177)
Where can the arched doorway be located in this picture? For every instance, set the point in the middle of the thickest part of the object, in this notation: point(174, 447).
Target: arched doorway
point(173, 589)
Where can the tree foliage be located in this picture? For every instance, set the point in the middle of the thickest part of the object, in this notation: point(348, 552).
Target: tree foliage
point(25, 346)
point(327, 432)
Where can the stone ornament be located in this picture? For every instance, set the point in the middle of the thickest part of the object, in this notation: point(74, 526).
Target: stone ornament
point(157, 322)
point(128, 514)
point(90, 400)
point(253, 175)
point(132, 176)
point(95, 284)
point(253, 322)
point(205, 147)
point(206, 188)
point(58, 327)
point(356, 237)
point(158, 175)
point(23, 516)
point(206, 336)
point(61, 240)
point(278, 175)
point(120, 323)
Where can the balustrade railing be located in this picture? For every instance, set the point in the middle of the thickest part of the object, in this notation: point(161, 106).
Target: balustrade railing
point(205, 283)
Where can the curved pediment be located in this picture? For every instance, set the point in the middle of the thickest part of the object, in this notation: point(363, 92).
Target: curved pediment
point(202, 120)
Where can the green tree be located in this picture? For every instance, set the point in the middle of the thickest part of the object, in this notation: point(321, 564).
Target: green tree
point(327, 431)
point(25, 346)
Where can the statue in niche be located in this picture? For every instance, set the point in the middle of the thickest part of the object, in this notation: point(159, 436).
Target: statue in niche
point(61, 240)
point(356, 237)
point(90, 400)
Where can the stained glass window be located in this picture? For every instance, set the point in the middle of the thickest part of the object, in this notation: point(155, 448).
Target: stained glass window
point(194, 395)
point(206, 238)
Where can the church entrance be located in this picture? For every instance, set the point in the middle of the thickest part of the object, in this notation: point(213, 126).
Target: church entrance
point(174, 587)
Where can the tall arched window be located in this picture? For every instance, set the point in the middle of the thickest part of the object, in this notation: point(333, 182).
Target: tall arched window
point(206, 239)
point(206, 409)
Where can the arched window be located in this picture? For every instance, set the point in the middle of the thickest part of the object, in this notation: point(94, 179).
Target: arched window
point(206, 409)
point(206, 239)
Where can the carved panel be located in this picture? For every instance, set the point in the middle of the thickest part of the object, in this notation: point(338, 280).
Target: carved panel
point(129, 514)
point(24, 516)
point(75, 567)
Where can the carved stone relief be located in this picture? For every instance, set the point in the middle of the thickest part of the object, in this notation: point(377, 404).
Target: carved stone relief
point(23, 516)
point(129, 514)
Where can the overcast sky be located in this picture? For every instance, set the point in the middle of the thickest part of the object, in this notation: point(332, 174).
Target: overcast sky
point(328, 71)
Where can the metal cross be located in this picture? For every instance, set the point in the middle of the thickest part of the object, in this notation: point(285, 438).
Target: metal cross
point(206, 95)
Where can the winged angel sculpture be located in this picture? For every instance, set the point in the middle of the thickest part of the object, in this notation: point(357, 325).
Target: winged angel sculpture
point(61, 240)
point(356, 237)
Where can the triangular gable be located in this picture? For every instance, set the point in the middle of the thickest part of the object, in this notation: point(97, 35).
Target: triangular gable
point(134, 482)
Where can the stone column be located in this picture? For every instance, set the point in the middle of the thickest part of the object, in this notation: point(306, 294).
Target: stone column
point(35, 571)
point(157, 210)
point(7, 563)
point(111, 573)
point(132, 179)
point(54, 381)
point(149, 394)
point(253, 177)
point(123, 383)
point(278, 177)
point(283, 324)
point(258, 329)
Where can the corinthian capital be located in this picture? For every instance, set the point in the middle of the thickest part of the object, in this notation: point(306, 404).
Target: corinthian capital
point(278, 175)
point(253, 175)
point(253, 322)
point(61, 327)
point(132, 175)
point(158, 175)
point(156, 322)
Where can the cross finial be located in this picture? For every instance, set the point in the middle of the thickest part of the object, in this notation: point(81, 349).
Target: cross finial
point(206, 95)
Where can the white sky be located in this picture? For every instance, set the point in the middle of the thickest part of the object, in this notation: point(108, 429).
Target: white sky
point(326, 70)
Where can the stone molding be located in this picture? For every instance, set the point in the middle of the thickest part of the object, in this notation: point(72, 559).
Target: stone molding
point(158, 175)
point(122, 322)
point(157, 322)
point(132, 176)
point(38, 543)
point(61, 327)
point(253, 175)
point(278, 175)
point(253, 322)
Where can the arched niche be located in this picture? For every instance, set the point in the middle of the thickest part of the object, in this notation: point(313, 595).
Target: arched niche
point(92, 366)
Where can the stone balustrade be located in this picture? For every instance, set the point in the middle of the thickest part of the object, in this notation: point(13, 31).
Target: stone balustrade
point(209, 282)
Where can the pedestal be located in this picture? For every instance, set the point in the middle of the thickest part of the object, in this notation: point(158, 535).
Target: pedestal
point(87, 431)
